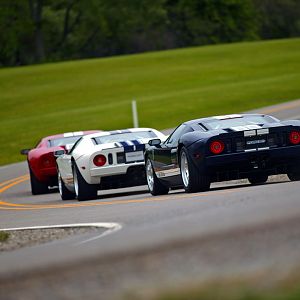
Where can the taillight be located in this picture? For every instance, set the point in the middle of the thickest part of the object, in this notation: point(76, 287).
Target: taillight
point(47, 161)
point(294, 137)
point(216, 147)
point(99, 160)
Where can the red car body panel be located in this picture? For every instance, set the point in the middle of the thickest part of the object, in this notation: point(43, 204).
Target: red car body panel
point(41, 160)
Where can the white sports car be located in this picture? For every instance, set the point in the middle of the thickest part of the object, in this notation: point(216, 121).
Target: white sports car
point(103, 160)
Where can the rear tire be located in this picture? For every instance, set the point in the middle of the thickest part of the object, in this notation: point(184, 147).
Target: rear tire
point(155, 186)
point(64, 192)
point(193, 179)
point(83, 190)
point(294, 176)
point(37, 187)
point(258, 179)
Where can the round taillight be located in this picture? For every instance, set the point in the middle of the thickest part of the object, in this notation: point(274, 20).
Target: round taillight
point(295, 137)
point(216, 147)
point(99, 160)
point(46, 163)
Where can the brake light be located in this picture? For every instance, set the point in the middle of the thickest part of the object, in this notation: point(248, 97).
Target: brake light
point(99, 160)
point(216, 147)
point(47, 161)
point(295, 137)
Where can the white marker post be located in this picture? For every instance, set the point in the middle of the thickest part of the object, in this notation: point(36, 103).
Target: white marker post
point(135, 115)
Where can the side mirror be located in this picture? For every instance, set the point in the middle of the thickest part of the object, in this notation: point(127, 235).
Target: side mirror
point(24, 151)
point(155, 142)
point(59, 153)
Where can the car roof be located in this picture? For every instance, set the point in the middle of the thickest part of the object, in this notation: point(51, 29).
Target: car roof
point(128, 130)
point(221, 117)
point(69, 134)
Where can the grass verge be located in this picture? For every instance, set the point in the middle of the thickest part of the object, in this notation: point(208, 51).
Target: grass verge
point(169, 86)
point(3, 236)
point(264, 287)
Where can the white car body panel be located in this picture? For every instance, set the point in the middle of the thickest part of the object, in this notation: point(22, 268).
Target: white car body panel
point(65, 168)
point(84, 152)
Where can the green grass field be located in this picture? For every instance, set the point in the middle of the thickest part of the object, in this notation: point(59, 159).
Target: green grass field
point(169, 86)
point(263, 285)
point(288, 289)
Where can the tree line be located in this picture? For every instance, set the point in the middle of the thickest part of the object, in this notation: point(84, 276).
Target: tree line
point(35, 31)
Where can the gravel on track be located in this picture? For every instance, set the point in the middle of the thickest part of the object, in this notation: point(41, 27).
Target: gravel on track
point(30, 237)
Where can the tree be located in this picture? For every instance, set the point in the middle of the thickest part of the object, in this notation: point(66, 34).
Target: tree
point(15, 31)
point(34, 31)
point(278, 18)
point(198, 22)
point(36, 14)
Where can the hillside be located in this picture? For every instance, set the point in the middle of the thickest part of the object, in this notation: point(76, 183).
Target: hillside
point(169, 86)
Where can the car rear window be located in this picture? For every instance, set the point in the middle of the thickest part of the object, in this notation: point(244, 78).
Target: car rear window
point(127, 136)
point(214, 124)
point(64, 141)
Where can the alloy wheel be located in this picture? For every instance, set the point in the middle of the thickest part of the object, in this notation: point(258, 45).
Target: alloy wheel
point(75, 182)
point(59, 184)
point(149, 173)
point(184, 168)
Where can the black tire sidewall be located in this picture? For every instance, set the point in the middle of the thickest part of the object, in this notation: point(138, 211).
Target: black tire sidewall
point(258, 179)
point(37, 187)
point(294, 176)
point(85, 191)
point(65, 193)
point(198, 181)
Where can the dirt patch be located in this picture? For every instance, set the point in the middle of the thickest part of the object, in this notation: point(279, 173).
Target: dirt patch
point(30, 237)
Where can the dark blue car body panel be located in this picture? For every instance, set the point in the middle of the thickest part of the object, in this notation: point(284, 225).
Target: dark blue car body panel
point(264, 150)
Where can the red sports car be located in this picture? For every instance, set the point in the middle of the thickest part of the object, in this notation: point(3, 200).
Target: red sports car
point(42, 162)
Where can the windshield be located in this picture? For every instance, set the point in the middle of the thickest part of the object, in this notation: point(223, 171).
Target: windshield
point(213, 124)
point(64, 141)
point(121, 137)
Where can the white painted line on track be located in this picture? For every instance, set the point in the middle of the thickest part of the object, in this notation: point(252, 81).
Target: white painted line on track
point(105, 233)
point(105, 225)
point(111, 228)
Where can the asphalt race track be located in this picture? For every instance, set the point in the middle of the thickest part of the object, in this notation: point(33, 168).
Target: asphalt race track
point(154, 226)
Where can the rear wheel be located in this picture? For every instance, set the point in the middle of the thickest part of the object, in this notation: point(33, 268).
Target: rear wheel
point(258, 179)
point(37, 187)
point(193, 179)
point(294, 176)
point(154, 185)
point(64, 192)
point(83, 190)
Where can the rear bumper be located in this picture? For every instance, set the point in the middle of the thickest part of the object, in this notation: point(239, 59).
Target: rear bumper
point(120, 176)
point(135, 176)
point(111, 170)
point(46, 175)
point(48, 172)
point(241, 165)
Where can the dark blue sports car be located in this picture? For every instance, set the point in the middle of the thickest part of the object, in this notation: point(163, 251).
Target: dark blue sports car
point(221, 148)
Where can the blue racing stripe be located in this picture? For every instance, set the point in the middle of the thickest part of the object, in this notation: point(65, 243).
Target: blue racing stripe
point(138, 145)
point(127, 147)
point(130, 146)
